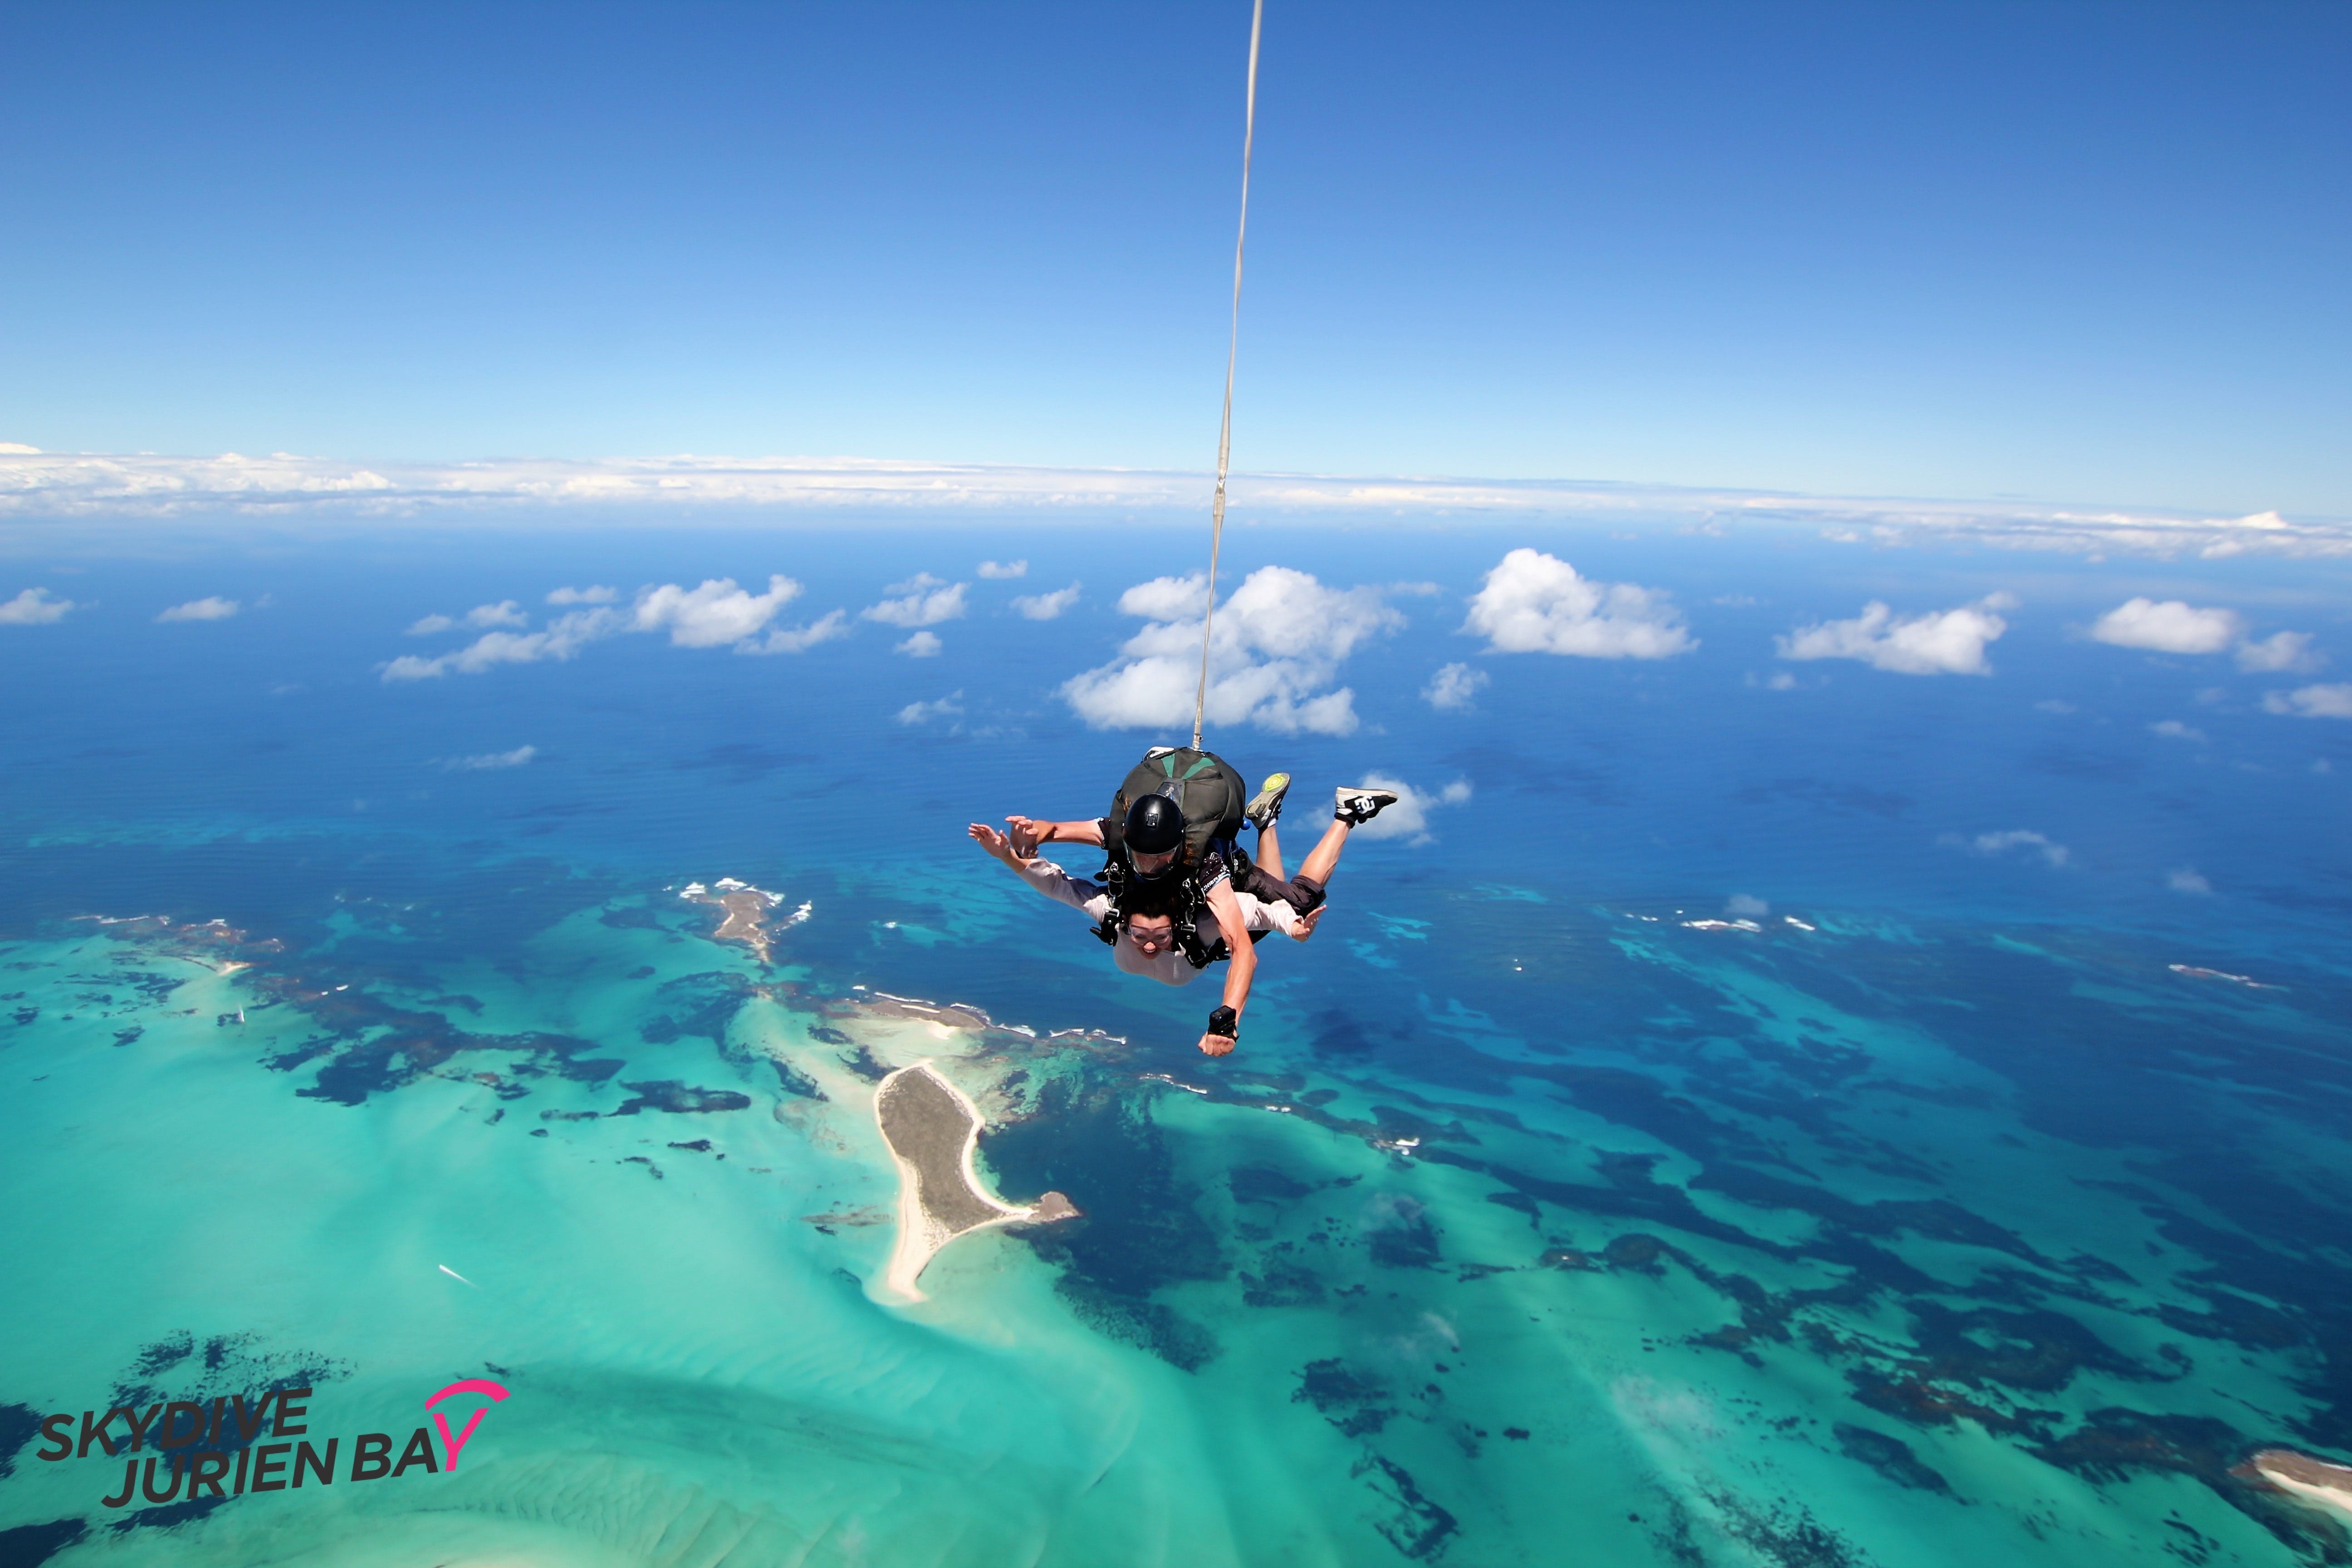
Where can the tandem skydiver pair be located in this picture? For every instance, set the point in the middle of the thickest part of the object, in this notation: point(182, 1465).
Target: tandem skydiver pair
point(1176, 892)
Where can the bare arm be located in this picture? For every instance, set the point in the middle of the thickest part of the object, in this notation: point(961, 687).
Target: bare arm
point(1027, 832)
point(999, 844)
point(1088, 897)
point(1241, 960)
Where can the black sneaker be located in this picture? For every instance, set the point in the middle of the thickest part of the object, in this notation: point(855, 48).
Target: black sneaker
point(1265, 806)
point(1358, 806)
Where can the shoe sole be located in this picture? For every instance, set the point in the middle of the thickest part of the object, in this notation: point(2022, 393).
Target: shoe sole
point(1268, 802)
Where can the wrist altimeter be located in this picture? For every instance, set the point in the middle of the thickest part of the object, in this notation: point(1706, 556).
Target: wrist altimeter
point(1227, 1022)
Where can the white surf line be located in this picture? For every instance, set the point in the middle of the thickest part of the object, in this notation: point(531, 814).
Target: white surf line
point(920, 1237)
point(453, 1274)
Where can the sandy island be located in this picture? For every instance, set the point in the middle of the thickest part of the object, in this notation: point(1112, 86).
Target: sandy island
point(933, 1130)
point(745, 909)
point(2315, 1481)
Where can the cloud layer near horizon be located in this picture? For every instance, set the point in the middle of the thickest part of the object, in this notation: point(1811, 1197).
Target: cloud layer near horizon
point(145, 485)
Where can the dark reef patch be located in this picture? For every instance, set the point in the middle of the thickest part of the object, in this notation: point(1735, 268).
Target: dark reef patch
point(1416, 1525)
point(2039, 1351)
point(1140, 1230)
point(2111, 1443)
point(30, 1545)
point(170, 1514)
point(1264, 1184)
point(680, 1099)
point(1409, 1239)
point(862, 1063)
point(18, 1423)
point(154, 1359)
point(1890, 1457)
point(1282, 1285)
point(1355, 1404)
point(793, 1081)
point(1146, 1324)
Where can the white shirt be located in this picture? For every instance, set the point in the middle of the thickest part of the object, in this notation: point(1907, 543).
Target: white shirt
point(1169, 967)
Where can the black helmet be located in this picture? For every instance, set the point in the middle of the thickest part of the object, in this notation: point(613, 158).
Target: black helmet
point(1154, 827)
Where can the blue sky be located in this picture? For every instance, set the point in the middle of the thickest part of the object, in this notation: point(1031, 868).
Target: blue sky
point(2083, 252)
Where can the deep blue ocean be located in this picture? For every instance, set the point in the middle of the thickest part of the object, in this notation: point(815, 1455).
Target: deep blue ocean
point(1772, 1112)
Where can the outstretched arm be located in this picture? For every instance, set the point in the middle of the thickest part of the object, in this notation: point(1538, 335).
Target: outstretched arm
point(1027, 832)
point(1241, 964)
point(999, 844)
point(1048, 879)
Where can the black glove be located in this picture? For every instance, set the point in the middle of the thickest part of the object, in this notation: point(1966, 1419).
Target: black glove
point(1227, 1022)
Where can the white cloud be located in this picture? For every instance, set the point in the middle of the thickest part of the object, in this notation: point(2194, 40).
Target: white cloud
point(2312, 701)
point(488, 762)
point(996, 570)
point(923, 601)
point(923, 644)
point(1166, 598)
point(946, 706)
point(33, 607)
point(2167, 626)
point(2187, 880)
point(1279, 641)
point(1455, 688)
point(1744, 906)
point(688, 490)
point(2014, 838)
point(211, 608)
point(1535, 603)
point(1046, 606)
point(1944, 642)
point(799, 639)
point(504, 613)
point(1408, 818)
point(1779, 681)
point(712, 614)
point(2279, 653)
point(589, 595)
point(563, 638)
point(2174, 730)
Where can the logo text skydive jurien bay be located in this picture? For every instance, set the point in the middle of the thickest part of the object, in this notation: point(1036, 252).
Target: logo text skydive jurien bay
point(212, 1452)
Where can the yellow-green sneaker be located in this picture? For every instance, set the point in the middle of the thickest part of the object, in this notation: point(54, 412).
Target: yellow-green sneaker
point(1265, 806)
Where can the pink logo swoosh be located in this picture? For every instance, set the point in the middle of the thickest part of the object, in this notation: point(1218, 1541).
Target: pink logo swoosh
point(457, 1441)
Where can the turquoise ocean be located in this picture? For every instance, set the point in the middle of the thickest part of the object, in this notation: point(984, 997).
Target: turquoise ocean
point(1763, 1113)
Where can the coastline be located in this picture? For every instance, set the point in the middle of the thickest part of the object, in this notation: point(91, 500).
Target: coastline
point(932, 1130)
